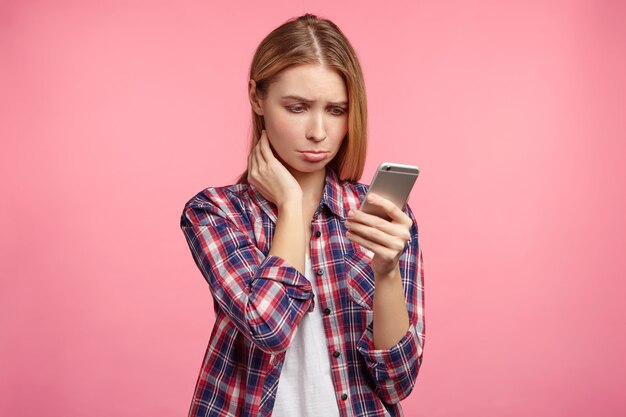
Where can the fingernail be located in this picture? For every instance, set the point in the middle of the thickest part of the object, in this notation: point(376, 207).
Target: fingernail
point(350, 213)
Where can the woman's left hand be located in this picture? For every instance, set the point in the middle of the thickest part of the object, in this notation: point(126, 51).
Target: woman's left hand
point(386, 238)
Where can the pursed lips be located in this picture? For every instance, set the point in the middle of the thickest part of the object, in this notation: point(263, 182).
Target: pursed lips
point(314, 156)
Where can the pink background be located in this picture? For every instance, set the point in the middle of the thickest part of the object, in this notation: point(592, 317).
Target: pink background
point(113, 115)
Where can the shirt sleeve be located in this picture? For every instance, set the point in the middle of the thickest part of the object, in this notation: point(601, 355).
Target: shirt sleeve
point(265, 297)
point(395, 370)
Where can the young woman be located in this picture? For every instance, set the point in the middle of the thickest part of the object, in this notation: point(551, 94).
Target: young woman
point(318, 306)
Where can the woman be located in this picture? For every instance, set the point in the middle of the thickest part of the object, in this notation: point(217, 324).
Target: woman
point(319, 306)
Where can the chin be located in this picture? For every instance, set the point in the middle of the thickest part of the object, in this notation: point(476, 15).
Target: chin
point(309, 167)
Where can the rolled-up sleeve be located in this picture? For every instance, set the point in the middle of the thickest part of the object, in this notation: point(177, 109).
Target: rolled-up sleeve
point(394, 370)
point(265, 297)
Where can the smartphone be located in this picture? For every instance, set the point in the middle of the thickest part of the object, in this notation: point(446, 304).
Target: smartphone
point(393, 182)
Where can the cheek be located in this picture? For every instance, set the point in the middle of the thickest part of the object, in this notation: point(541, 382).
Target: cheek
point(281, 125)
point(339, 128)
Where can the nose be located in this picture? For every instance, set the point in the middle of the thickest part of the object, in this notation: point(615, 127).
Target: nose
point(316, 131)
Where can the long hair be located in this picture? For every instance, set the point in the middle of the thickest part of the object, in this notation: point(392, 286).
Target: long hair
point(312, 40)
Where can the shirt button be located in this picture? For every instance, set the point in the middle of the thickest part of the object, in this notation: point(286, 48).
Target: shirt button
point(336, 354)
point(326, 311)
point(320, 272)
point(318, 233)
point(344, 396)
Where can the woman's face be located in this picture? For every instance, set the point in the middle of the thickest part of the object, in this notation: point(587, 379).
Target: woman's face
point(306, 116)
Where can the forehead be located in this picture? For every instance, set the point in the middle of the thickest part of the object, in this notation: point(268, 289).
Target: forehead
point(313, 82)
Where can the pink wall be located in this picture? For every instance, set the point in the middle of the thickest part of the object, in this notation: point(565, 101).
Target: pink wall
point(112, 116)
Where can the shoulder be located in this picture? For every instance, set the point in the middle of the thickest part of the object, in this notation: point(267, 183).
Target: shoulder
point(230, 202)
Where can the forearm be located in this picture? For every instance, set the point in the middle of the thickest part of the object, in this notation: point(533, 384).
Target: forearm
point(264, 296)
point(391, 346)
point(391, 318)
point(288, 242)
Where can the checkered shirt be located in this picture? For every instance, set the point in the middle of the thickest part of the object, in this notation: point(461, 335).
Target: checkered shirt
point(259, 301)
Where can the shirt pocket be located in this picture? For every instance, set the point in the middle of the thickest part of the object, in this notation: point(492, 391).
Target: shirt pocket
point(360, 277)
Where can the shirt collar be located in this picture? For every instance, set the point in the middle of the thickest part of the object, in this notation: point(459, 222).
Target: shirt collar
point(334, 194)
point(333, 197)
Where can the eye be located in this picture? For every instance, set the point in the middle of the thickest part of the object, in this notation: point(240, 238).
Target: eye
point(296, 108)
point(337, 111)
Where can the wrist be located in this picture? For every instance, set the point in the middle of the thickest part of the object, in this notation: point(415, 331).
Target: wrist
point(388, 275)
point(289, 203)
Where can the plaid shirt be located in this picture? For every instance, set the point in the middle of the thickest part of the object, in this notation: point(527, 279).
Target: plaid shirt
point(259, 300)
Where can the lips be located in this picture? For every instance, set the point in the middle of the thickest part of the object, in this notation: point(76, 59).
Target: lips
point(314, 156)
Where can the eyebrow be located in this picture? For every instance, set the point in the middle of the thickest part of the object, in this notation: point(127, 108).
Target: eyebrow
point(305, 100)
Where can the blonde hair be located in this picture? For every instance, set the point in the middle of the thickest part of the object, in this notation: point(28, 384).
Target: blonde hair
point(312, 40)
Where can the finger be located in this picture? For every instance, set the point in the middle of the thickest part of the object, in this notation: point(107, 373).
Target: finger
point(371, 220)
point(257, 159)
point(257, 147)
point(394, 242)
point(389, 208)
point(399, 230)
point(368, 232)
point(367, 244)
point(265, 149)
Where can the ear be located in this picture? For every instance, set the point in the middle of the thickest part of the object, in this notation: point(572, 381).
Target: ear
point(255, 100)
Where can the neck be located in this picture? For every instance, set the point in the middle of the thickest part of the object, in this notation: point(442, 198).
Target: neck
point(312, 185)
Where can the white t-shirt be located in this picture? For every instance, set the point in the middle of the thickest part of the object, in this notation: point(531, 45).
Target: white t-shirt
point(305, 387)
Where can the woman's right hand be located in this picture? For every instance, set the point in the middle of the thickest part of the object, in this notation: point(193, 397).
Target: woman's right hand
point(270, 177)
